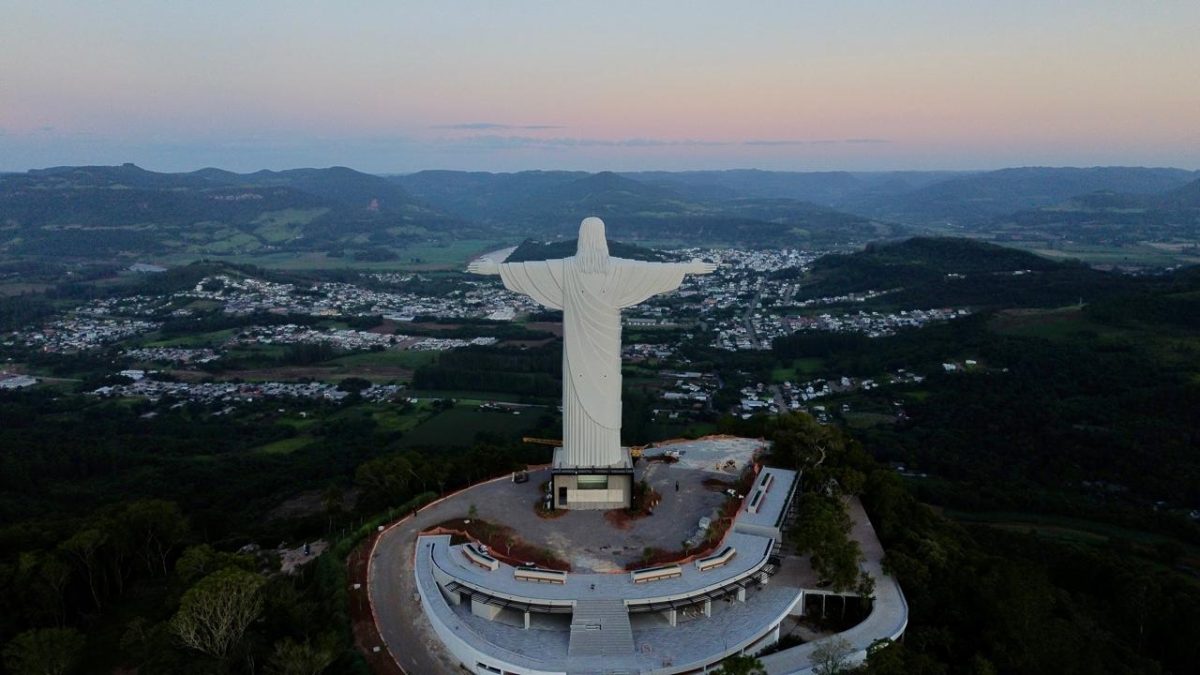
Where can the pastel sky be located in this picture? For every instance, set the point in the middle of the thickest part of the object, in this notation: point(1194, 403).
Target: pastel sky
point(398, 86)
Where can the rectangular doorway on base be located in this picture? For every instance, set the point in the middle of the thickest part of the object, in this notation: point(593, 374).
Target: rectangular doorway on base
point(579, 489)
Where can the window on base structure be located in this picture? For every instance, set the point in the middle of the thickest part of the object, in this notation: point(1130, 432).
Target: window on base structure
point(490, 669)
point(592, 483)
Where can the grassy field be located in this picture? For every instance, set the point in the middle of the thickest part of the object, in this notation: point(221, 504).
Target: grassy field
point(1059, 527)
point(458, 426)
point(1063, 323)
point(284, 447)
point(22, 288)
point(799, 370)
point(865, 420)
point(462, 395)
point(279, 226)
point(1176, 347)
point(424, 256)
point(213, 339)
point(1141, 255)
point(390, 358)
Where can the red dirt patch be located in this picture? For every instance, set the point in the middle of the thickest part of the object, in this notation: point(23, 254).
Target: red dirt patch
point(547, 514)
point(362, 620)
point(554, 327)
point(502, 542)
point(619, 518)
point(388, 327)
point(718, 485)
point(645, 499)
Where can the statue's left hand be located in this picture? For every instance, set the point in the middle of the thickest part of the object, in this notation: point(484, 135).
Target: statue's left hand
point(701, 267)
point(484, 266)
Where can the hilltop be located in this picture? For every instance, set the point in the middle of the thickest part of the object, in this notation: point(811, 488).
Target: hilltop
point(125, 212)
point(976, 200)
point(549, 203)
point(98, 211)
point(944, 271)
point(536, 250)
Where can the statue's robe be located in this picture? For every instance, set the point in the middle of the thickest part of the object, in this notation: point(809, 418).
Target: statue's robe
point(591, 305)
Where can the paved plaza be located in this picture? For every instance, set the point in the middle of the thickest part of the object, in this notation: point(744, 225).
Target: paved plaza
point(587, 539)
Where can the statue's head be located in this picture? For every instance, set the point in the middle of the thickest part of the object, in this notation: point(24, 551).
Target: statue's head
point(591, 255)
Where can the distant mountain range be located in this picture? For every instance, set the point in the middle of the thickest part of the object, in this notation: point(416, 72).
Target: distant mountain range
point(125, 211)
point(978, 199)
point(549, 203)
point(95, 211)
point(1111, 217)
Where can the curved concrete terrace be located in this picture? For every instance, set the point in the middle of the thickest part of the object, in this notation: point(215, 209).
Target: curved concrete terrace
point(659, 648)
point(418, 640)
point(889, 612)
point(752, 557)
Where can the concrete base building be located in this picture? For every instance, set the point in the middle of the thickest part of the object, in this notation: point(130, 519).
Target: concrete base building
point(590, 487)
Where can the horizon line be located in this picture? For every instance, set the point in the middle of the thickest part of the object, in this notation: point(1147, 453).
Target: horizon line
point(6, 171)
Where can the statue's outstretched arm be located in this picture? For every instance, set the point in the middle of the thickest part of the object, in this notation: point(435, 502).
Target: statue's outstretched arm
point(699, 267)
point(484, 266)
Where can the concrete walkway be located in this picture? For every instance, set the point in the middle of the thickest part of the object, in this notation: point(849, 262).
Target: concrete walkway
point(889, 612)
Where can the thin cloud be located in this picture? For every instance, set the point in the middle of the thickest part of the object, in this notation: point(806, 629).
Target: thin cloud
point(493, 126)
point(499, 141)
point(837, 141)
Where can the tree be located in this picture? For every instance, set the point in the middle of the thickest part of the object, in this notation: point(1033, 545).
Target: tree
point(385, 480)
point(296, 658)
point(866, 586)
point(44, 651)
point(822, 530)
point(831, 656)
point(200, 560)
point(159, 527)
point(44, 573)
point(742, 664)
point(215, 613)
point(84, 547)
point(800, 442)
point(354, 385)
point(332, 499)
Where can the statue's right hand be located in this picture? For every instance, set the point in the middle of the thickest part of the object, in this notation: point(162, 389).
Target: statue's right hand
point(483, 266)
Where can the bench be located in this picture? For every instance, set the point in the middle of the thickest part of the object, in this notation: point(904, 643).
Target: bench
point(655, 573)
point(475, 555)
point(539, 575)
point(718, 560)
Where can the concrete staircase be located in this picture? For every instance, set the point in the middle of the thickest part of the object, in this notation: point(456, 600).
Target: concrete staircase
point(601, 639)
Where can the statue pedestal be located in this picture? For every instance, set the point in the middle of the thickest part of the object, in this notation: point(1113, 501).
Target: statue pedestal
point(596, 488)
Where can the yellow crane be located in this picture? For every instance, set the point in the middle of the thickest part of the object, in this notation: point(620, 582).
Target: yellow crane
point(635, 451)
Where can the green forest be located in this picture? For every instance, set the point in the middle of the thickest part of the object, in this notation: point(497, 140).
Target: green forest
point(1035, 506)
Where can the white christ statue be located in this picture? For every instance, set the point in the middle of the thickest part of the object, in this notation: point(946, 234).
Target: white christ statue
point(591, 288)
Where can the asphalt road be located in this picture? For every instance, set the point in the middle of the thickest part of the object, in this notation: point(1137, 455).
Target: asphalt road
point(394, 599)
